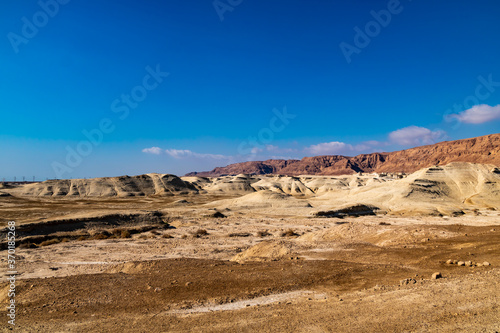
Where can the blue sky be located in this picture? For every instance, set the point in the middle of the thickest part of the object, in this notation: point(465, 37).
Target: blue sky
point(178, 86)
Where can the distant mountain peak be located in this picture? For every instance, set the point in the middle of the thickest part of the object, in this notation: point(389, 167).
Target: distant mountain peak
point(484, 149)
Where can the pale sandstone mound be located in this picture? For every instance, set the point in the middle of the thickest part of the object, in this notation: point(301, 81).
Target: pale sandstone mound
point(230, 188)
point(262, 199)
point(443, 190)
point(288, 185)
point(266, 250)
point(124, 186)
point(231, 185)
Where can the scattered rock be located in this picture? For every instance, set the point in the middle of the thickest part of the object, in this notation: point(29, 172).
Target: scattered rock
point(486, 263)
point(449, 262)
point(188, 284)
point(436, 276)
point(468, 263)
point(407, 281)
point(218, 215)
point(349, 210)
point(461, 263)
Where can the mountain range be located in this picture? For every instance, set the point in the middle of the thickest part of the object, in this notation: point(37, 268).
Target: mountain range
point(484, 149)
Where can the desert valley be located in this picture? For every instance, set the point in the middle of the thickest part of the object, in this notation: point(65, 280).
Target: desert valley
point(389, 242)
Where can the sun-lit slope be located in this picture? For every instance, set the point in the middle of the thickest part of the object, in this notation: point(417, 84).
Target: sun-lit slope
point(261, 199)
point(229, 185)
point(440, 190)
point(283, 184)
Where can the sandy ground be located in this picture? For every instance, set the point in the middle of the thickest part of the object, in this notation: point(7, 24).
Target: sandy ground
point(274, 269)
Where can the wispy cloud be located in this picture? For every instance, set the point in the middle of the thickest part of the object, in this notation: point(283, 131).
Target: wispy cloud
point(152, 150)
point(478, 114)
point(338, 148)
point(414, 135)
point(179, 154)
point(329, 148)
point(183, 153)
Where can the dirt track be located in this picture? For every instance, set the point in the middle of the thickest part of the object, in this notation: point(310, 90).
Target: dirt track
point(352, 287)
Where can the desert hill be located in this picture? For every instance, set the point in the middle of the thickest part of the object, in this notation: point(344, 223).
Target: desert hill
point(124, 186)
point(437, 190)
point(485, 150)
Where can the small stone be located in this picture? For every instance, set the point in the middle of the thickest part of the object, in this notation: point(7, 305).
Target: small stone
point(468, 263)
point(486, 263)
point(157, 290)
point(407, 281)
point(479, 265)
point(455, 262)
point(188, 284)
point(461, 263)
point(436, 276)
point(449, 262)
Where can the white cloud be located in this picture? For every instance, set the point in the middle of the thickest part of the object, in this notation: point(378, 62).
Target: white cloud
point(183, 153)
point(255, 150)
point(478, 114)
point(329, 148)
point(414, 135)
point(152, 150)
point(272, 148)
point(338, 148)
point(180, 154)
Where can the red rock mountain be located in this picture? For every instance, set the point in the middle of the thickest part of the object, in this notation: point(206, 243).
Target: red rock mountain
point(484, 149)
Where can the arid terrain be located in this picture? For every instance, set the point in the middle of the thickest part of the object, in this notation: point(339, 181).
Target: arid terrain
point(258, 253)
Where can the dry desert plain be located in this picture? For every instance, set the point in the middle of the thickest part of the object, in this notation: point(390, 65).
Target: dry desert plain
point(257, 253)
